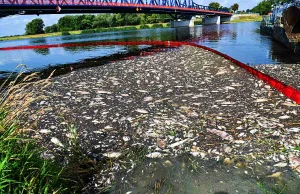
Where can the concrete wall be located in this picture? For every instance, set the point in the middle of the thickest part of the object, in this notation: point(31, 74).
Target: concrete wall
point(184, 23)
point(211, 20)
point(226, 19)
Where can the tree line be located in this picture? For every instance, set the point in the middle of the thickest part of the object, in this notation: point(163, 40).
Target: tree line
point(265, 6)
point(217, 6)
point(84, 22)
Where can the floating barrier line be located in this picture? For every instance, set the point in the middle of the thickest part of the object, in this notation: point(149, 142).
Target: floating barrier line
point(287, 90)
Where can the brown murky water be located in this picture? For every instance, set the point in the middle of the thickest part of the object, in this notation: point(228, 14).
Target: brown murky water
point(186, 174)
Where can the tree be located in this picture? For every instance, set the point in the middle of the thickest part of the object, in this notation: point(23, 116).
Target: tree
point(66, 23)
point(47, 29)
point(36, 26)
point(214, 5)
point(85, 24)
point(224, 9)
point(54, 28)
point(51, 29)
point(235, 7)
point(264, 7)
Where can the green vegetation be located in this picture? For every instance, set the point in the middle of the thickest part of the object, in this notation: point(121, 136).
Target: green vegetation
point(35, 27)
point(235, 7)
point(214, 5)
point(248, 18)
point(51, 29)
point(157, 26)
point(198, 22)
point(24, 166)
point(65, 33)
point(88, 22)
point(144, 26)
point(265, 6)
point(22, 169)
point(97, 30)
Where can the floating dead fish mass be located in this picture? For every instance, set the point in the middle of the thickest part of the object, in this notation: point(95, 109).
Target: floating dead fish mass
point(181, 101)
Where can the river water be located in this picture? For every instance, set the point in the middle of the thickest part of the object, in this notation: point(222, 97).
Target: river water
point(241, 41)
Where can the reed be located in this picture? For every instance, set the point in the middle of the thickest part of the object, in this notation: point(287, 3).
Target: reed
point(22, 169)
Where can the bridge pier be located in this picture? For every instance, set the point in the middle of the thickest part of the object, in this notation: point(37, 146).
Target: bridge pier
point(225, 19)
point(211, 20)
point(184, 23)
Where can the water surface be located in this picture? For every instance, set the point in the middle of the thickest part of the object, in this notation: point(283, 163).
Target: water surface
point(241, 41)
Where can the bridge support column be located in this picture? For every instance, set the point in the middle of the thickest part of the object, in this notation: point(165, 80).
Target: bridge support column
point(184, 23)
point(225, 19)
point(211, 20)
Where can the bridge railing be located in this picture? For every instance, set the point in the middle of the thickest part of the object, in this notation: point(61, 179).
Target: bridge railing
point(138, 3)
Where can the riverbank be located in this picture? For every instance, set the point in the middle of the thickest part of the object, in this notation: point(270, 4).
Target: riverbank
point(120, 28)
point(252, 18)
point(184, 101)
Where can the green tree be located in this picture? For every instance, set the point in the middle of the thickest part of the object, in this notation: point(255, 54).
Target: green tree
point(85, 24)
point(47, 29)
point(214, 5)
point(36, 26)
point(264, 7)
point(235, 7)
point(66, 23)
point(54, 28)
point(51, 29)
point(100, 21)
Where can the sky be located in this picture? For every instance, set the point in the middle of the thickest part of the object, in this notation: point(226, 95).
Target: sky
point(15, 25)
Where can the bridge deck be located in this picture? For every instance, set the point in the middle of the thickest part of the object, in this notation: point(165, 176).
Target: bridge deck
point(10, 7)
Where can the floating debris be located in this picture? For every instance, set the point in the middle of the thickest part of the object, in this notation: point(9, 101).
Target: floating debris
point(56, 142)
point(113, 154)
point(143, 111)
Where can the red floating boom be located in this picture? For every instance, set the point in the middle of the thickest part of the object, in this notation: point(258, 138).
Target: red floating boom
point(287, 90)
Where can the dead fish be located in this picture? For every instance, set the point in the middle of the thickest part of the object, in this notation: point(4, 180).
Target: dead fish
point(221, 134)
point(103, 92)
point(148, 99)
point(161, 143)
point(261, 100)
point(83, 92)
point(143, 111)
point(56, 141)
point(284, 117)
point(275, 175)
point(154, 155)
point(289, 104)
point(113, 154)
point(143, 91)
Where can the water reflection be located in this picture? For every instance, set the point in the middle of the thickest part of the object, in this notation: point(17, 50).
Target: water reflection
point(40, 41)
point(241, 41)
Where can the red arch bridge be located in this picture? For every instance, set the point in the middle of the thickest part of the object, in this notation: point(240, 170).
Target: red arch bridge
point(183, 9)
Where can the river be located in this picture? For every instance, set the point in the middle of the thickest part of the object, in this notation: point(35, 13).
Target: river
point(241, 41)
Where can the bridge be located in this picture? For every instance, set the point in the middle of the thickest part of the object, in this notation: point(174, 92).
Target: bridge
point(178, 9)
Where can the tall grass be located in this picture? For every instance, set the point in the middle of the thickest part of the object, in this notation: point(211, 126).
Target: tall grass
point(22, 169)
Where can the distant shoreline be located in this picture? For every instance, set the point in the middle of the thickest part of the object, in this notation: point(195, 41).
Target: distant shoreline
point(89, 31)
point(246, 18)
point(121, 28)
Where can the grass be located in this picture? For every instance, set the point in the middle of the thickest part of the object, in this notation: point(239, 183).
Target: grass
point(253, 18)
point(121, 28)
point(198, 22)
point(22, 169)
